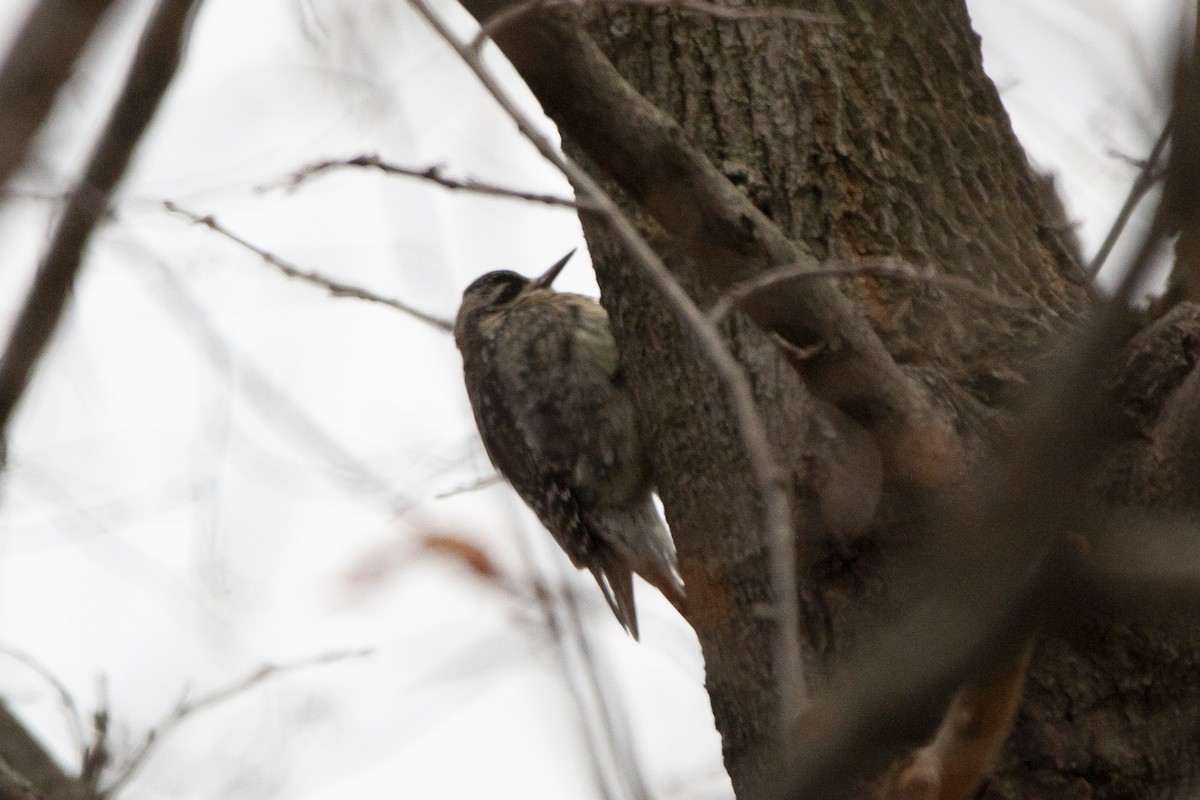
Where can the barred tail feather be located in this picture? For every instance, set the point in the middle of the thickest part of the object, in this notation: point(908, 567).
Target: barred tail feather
point(616, 582)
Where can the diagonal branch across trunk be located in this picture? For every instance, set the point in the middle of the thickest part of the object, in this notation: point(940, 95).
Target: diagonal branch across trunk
point(723, 232)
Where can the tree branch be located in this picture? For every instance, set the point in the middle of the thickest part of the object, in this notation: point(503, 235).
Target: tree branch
point(186, 708)
point(1149, 174)
point(432, 174)
point(489, 27)
point(39, 62)
point(70, 709)
point(887, 266)
point(963, 753)
point(474, 486)
point(1182, 186)
point(335, 288)
point(154, 65)
point(24, 755)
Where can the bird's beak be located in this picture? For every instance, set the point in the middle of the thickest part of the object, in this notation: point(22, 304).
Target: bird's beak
point(549, 275)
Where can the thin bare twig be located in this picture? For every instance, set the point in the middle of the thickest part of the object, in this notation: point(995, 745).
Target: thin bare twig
point(97, 755)
point(887, 266)
point(154, 65)
point(768, 476)
point(473, 486)
point(334, 287)
point(1133, 161)
point(40, 61)
point(510, 14)
point(1149, 174)
point(186, 708)
point(434, 174)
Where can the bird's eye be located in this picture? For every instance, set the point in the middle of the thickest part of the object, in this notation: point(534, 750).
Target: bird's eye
point(496, 288)
point(507, 291)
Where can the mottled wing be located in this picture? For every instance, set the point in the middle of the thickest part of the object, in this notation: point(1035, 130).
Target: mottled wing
point(577, 430)
point(567, 401)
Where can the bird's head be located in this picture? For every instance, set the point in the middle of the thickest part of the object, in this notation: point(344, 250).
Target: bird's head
point(494, 290)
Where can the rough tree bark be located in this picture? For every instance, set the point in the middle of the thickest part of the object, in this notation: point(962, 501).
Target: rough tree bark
point(878, 136)
point(776, 142)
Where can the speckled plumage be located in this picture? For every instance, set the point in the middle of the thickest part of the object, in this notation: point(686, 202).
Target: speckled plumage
point(544, 381)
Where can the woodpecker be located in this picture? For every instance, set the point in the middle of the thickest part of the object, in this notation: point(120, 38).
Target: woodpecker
point(549, 398)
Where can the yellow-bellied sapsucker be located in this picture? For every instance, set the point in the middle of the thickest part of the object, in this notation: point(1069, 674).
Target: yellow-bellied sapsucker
point(543, 376)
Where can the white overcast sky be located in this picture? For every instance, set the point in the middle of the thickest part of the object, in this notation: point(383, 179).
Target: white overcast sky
point(219, 468)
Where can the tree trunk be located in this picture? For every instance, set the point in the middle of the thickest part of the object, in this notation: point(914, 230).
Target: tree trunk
point(876, 136)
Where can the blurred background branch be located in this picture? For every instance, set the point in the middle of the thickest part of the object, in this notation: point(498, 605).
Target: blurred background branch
point(150, 74)
point(38, 64)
